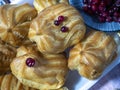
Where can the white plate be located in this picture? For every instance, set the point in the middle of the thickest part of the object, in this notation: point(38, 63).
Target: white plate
point(21, 1)
point(2, 2)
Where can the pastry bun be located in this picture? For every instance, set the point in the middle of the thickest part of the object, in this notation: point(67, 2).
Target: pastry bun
point(42, 4)
point(15, 22)
point(51, 38)
point(10, 82)
point(48, 71)
point(7, 53)
point(93, 54)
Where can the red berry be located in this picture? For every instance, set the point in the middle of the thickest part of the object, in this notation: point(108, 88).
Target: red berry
point(89, 6)
point(56, 22)
point(61, 18)
point(102, 3)
point(95, 1)
point(116, 14)
point(101, 19)
point(30, 62)
point(109, 19)
point(64, 29)
point(115, 19)
point(85, 7)
point(115, 8)
point(111, 11)
point(105, 10)
point(119, 19)
point(102, 8)
point(104, 14)
point(94, 7)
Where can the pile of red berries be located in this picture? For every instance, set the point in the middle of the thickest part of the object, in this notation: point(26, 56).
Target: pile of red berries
point(105, 10)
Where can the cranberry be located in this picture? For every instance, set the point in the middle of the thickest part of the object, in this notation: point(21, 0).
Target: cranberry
point(116, 14)
point(104, 14)
point(56, 22)
point(115, 19)
point(115, 8)
point(102, 3)
point(64, 29)
point(89, 1)
point(111, 11)
point(105, 10)
point(95, 1)
point(89, 6)
point(85, 8)
point(61, 18)
point(30, 62)
point(102, 8)
point(94, 7)
point(97, 12)
point(119, 19)
point(101, 19)
point(108, 19)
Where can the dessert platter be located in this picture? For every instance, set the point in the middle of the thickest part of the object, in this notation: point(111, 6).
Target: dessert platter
point(47, 45)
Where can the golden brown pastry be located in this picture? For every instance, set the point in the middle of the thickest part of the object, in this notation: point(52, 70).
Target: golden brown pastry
point(57, 28)
point(92, 55)
point(10, 82)
point(42, 4)
point(15, 22)
point(39, 71)
point(7, 53)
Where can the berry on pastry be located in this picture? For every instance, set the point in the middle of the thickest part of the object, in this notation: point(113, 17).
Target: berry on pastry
point(15, 22)
point(39, 71)
point(57, 28)
point(42, 4)
point(92, 55)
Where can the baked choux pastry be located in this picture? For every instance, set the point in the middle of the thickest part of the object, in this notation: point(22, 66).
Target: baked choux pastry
point(42, 4)
point(7, 53)
point(57, 28)
point(93, 54)
point(10, 82)
point(39, 71)
point(15, 22)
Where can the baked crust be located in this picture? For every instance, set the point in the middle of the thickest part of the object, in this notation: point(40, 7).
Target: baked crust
point(49, 37)
point(7, 53)
point(15, 22)
point(42, 4)
point(10, 82)
point(48, 72)
point(93, 54)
